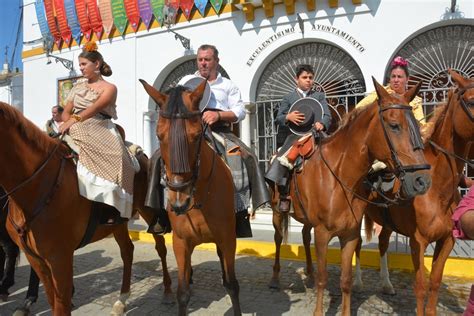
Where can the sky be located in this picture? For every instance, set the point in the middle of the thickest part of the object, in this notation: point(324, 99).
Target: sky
point(9, 20)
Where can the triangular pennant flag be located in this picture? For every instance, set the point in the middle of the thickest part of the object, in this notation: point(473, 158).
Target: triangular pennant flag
point(146, 13)
point(201, 6)
point(72, 20)
point(131, 9)
point(94, 17)
point(186, 6)
point(105, 10)
point(81, 10)
point(157, 7)
point(43, 24)
point(120, 17)
point(53, 27)
point(217, 5)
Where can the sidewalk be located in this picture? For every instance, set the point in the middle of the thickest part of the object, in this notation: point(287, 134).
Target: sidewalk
point(98, 269)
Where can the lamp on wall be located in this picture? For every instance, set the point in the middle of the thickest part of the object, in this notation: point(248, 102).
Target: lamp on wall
point(169, 13)
point(47, 46)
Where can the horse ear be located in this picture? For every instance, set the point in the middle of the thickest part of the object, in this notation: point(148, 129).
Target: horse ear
point(381, 92)
point(411, 94)
point(159, 98)
point(456, 77)
point(197, 94)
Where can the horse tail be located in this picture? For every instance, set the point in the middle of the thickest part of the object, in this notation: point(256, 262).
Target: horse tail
point(369, 227)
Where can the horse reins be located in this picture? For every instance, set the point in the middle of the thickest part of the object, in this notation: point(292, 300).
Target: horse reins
point(24, 228)
point(401, 170)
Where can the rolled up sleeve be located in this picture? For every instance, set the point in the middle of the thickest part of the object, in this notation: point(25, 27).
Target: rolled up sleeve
point(236, 104)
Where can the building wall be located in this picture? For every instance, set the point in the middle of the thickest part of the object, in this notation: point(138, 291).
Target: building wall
point(379, 27)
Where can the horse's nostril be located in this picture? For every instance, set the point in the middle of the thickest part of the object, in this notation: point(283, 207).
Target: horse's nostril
point(421, 183)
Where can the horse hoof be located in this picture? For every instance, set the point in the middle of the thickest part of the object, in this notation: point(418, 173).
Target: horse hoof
point(309, 283)
point(118, 309)
point(168, 299)
point(21, 312)
point(388, 290)
point(274, 284)
point(357, 288)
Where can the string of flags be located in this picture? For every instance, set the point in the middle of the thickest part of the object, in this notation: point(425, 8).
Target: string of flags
point(62, 21)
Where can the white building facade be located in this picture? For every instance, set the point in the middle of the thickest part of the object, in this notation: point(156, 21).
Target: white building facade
point(260, 43)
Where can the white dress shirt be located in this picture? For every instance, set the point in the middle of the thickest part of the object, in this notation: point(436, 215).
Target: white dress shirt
point(225, 95)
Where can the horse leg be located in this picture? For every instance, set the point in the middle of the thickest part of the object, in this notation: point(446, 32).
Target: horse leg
point(278, 238)
point(160, 248)
point(347, 251)
point(126, 252)
point(442, 250)
point(418, 254)
point(306, 234)
point(226, 252)
point(358, 285)
point(31, 295)
point(10, 253)
point(321, 237)
point(384, 241)
point(182, 253)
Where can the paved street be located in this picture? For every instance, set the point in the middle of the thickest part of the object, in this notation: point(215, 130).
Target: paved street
point(98, 275)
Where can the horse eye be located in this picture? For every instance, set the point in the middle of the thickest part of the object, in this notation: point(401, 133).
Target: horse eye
point(394, 127)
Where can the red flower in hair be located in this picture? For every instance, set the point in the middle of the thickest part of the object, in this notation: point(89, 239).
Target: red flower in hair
point(399, 61)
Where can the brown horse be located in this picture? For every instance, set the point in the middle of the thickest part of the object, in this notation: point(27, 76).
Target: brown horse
point(327, 194)
point(200, 189)
point(48, 217)
point(428, 217)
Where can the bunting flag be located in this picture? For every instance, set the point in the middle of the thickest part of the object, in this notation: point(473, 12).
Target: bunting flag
point(157, 7)
point(120, 18)
point(133, 15)
point(144, 6)
point(72, 20)
point(216, 5)
point(105, 9)
point(201, 6)
point(53, 28)
point(64, 29)
point(83, 18)
point(186, 6)
point(43, 25)
point(171, 11)
point(94, 17)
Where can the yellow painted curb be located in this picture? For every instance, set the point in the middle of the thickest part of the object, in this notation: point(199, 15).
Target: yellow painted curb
point(456, 267)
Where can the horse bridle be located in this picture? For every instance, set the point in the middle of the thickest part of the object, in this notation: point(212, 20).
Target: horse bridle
point(415, 137)
point(466, 104)
point(400, 169)
point(192, 181)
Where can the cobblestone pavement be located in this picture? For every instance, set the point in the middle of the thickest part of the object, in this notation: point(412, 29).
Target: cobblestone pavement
point(98, 277)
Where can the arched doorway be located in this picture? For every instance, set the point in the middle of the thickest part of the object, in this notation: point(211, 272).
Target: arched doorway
point(183, 69)
point(432, 52)
point(336, 74)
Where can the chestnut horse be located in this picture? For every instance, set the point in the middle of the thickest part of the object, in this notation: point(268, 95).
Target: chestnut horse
point(47, 215)
point(327, 194)
point(428, 217)
point(200, 189)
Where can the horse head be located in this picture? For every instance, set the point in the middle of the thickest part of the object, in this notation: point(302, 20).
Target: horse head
point(402, 148)
point(180, 131)
point(463, 116)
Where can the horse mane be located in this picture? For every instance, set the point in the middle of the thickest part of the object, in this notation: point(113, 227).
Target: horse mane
point(349, 117)
point(25, 127)
point(438, 117)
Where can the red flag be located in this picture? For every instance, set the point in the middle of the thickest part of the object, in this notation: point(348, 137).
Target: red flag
point(64, 28)
point(133, 15)
point(81, 10)
point(94, 16)
point(53, 28)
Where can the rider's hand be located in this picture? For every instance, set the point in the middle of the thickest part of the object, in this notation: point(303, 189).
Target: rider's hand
point(318, 126)
point(64, 127)
point(211, 117)
point(295, 117)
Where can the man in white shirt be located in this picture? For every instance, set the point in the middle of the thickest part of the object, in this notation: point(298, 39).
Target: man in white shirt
point(225, 108)
point(52, 126)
